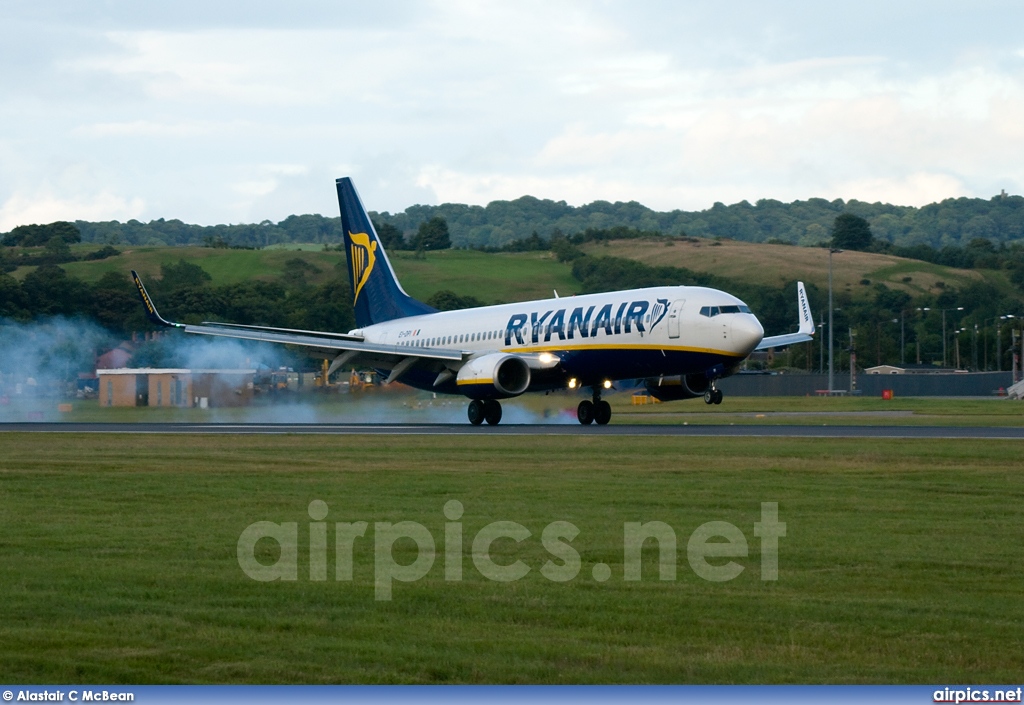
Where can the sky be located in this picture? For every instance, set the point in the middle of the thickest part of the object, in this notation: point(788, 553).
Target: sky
point(226, 112)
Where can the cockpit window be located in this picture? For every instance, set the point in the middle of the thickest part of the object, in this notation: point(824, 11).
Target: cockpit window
point(711, 311)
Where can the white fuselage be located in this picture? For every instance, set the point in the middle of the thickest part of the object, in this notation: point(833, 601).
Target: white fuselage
point(682, 328)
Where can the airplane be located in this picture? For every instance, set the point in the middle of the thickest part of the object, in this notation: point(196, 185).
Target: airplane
point(676, 341)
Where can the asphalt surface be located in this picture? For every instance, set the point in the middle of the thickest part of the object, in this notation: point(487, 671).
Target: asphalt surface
point(464, 429)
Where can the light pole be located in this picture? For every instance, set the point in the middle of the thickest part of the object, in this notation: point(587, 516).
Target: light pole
point(1016, 352)
point(918, 336)
point(895, 320)
point(958, 308)
point(831, 368)
point(956, 345)
point(903, 340)
point(999, 340)
point(974, 349)
point(821, 344)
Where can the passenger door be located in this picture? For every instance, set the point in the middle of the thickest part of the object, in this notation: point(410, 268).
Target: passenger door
point(674, 314)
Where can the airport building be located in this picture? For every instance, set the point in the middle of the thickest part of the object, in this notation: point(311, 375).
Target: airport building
point(183, 388)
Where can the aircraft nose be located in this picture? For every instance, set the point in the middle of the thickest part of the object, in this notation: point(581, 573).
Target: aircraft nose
point(747, 333)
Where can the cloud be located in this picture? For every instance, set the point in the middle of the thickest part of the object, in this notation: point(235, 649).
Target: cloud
point(676, 105)
point(147, 129)
point(46, 207)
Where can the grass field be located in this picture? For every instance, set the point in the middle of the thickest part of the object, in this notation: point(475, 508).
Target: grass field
point(504, 277)
point(403, 405)
point(507, 277)
point(902, 561)
point(774, 265)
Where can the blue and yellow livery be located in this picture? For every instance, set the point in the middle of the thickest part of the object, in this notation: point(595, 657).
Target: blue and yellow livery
point(665, 336)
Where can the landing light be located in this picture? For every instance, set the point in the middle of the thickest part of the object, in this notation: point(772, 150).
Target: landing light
point(572, 383)
point(607, 384)
point(547, 357)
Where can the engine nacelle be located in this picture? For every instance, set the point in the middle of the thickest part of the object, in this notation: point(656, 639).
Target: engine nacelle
point(494, 376)
point(678, 387)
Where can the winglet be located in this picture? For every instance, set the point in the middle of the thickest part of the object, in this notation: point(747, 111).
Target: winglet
point(806, 331)
point(151, 311)
point(806, 320)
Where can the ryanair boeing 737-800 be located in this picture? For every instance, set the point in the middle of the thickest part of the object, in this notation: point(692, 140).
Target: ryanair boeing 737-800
point(677, 341)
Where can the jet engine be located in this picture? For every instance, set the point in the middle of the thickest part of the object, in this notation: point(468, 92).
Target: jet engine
point(677, 387)
point(494, 376)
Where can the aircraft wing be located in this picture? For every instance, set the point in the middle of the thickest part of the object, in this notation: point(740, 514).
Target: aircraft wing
point(341, 348)
point(806, 331)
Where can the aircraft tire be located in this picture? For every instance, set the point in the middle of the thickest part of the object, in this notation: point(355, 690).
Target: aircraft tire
point(585, 412)
point(492, 412)
point(718, 396)
point(602, 412)
point(476, 412)
point(709, 397)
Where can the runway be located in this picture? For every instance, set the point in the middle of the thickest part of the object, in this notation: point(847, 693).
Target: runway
point(723, 430)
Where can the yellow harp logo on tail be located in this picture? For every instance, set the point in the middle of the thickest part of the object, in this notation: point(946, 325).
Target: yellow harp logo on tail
point(363, 258)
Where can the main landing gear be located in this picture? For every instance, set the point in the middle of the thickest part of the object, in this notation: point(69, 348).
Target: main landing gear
point(481, 410)
point(590, 411)
point(713, 395)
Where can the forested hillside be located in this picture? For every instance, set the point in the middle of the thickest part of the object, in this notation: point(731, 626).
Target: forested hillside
point(949, 223)
point(897, 308)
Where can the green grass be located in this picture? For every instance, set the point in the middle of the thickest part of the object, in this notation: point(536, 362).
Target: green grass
point(402, 405)
point(902, 561)
point(775, 265)
point(224, 266)
point(502, 277)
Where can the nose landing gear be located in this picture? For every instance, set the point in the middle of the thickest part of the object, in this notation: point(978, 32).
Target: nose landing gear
point(713, 395)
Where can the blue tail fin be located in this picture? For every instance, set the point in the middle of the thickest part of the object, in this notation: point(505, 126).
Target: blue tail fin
point(377, 295)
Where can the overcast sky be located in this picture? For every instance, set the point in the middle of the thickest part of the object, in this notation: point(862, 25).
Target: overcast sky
point(217, 112)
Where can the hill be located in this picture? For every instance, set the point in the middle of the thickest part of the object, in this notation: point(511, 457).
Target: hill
point(490, 278)
point(307, 286)
point(775, 265)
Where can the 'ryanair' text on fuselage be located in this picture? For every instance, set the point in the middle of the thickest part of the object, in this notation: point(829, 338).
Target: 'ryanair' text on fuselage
point(585, 322)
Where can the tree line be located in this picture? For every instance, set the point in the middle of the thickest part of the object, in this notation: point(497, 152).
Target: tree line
point(949, 223)
point(187, 293)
